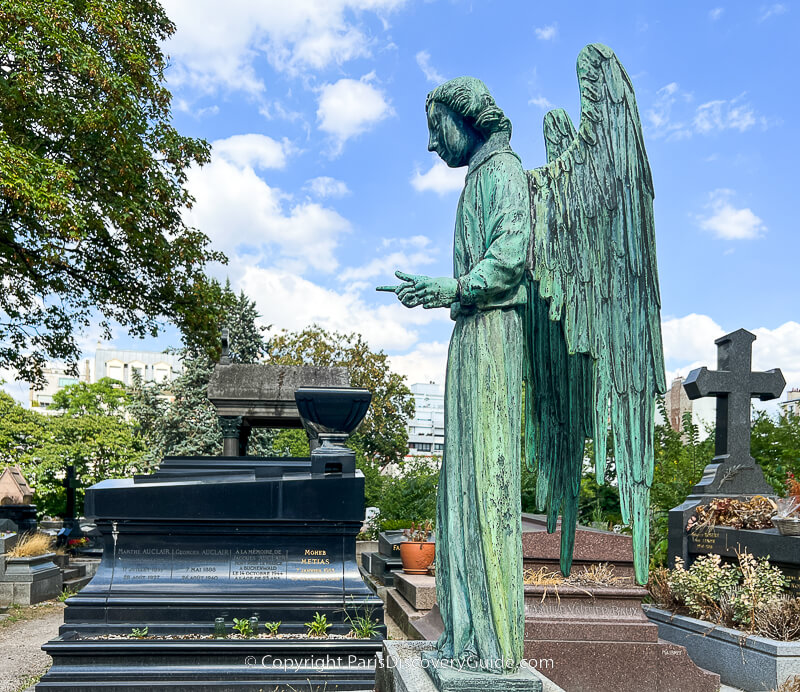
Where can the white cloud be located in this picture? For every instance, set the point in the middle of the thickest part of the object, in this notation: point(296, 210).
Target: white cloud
point(253, 151)
point(324, 186)
point(689, 340)
point(719, 115)
point(439, 178)
point(410, 254)
point(241, 213)
point(426, 363)
point(729, 223)
point(216, 47)
point(430, 72)
point(541, 102)
point(546, 33)
point(772, 11)
point(716, 13)
point(689, 344)
point(708, 118)
point(349, 107)
point(288, 301)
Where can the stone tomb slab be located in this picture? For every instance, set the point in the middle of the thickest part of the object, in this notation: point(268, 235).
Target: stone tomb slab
point(418, 589)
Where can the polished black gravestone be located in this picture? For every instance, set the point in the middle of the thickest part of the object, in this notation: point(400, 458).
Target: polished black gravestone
point(207, 538)
point(733, 472)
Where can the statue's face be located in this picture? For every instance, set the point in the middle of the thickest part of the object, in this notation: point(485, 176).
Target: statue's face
point(451, 137)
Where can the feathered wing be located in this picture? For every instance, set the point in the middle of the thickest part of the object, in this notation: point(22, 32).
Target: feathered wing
point(593, 317)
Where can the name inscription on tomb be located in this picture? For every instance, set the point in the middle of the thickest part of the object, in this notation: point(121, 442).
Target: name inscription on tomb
point(260, 566)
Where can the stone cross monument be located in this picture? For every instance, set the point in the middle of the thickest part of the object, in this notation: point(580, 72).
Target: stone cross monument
point(733, 472)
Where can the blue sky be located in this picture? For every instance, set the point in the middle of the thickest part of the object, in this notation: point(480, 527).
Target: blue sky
point(320, 183)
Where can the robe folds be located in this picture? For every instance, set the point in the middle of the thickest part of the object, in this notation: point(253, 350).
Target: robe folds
point(479, 536)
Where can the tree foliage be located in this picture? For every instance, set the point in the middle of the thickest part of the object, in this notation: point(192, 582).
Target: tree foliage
point(775, 445)
point(176, 418)
point(383, 436)
point(104, 396)
point(92, 176)
point(98, 444)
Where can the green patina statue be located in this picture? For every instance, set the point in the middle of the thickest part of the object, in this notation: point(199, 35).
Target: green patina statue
point(556, 307)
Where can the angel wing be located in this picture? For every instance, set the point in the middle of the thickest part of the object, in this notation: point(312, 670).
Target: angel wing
point(593, 316)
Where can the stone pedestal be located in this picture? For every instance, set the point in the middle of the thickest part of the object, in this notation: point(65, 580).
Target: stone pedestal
point(29, 580)
point(406, 666)
point(202, 539)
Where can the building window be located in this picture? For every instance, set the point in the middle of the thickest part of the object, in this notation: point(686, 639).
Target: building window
point(66, 381)
point(424, 446)
point(161, 372)
point(438, 447)
point(114, 370)
point(412, 445)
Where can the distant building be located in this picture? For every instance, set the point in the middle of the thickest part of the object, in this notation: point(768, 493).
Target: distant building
point(56, 378)
point(792, 403)
point(678, 403)
point(426, 429)
point(118, 364)
point(152, 366)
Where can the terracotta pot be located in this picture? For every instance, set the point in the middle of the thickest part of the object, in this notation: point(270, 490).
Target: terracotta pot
point(416, 556)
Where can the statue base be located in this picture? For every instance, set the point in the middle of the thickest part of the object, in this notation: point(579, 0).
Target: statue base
point(411, 666)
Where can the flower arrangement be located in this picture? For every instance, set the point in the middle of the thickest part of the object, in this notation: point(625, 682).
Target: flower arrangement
point(755, 513)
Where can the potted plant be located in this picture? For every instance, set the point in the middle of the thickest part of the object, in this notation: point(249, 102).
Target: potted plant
point(417, 551)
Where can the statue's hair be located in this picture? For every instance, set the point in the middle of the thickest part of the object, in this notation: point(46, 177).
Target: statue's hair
point(470, 98)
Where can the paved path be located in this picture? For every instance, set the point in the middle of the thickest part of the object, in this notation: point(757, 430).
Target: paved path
point(21, 644)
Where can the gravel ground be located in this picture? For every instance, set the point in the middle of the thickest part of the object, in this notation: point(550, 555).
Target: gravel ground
point(21, 643)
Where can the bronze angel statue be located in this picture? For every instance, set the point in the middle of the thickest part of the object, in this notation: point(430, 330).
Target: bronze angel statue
point(556, 307)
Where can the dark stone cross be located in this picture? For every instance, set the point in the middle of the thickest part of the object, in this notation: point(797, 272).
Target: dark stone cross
point(70, 483)
point(734, 384)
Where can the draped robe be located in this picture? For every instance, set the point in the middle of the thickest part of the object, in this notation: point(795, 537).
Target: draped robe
point(479, 536)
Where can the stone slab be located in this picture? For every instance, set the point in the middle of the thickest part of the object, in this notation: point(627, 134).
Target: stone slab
point(402, 612)
point(29, 580)
point(400, 669)
point(748, 662)
point(265, 393)
point(418, 589)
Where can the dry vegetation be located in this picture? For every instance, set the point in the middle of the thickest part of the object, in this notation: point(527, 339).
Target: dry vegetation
point(601, 574)
point(791, 685)
point(32, 544)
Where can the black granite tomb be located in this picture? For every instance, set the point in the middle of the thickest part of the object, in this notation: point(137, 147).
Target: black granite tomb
point(208, 538)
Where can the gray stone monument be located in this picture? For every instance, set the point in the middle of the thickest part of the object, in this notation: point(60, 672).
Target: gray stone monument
point(733, 472)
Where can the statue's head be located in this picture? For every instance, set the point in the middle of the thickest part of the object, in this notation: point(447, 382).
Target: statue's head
point(462, 115)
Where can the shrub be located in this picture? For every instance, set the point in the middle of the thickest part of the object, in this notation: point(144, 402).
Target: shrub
point(779, 619)
point(723, 593)
point(410, 496)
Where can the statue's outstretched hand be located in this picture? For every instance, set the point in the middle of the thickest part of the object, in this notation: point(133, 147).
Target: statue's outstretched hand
point(427, 291)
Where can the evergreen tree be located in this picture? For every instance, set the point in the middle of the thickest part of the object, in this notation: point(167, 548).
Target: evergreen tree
point(176, 418)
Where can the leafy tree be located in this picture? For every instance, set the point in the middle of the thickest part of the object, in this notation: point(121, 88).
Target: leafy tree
point(101, 397)
point(92, 178)
point(775, 445)
point(383, 436)
point(99, 445)
point(177, 418)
